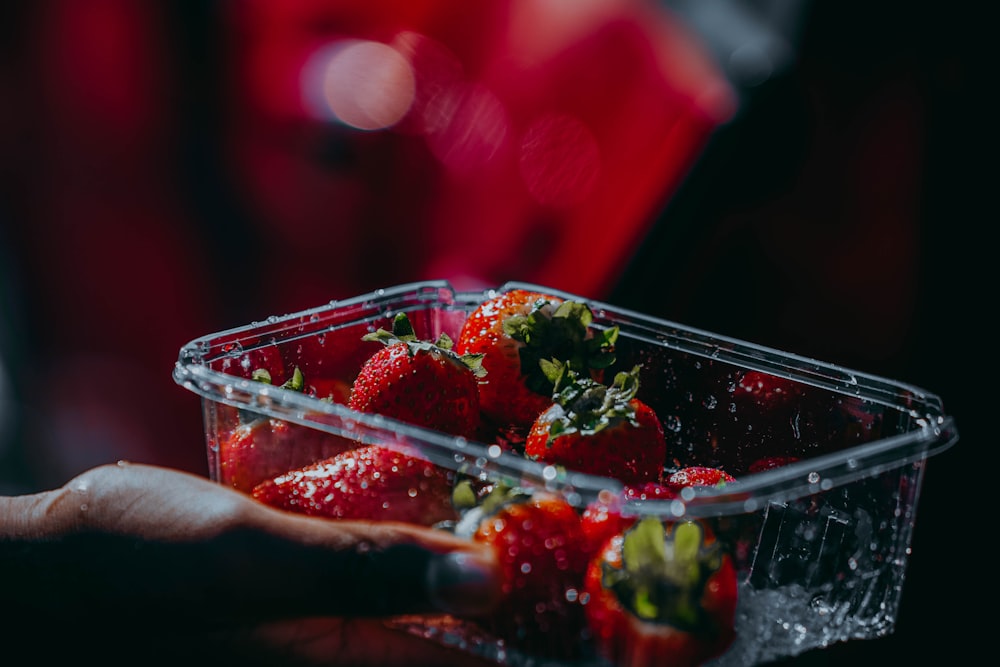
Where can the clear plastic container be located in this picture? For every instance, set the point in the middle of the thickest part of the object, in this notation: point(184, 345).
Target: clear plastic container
point(820, 545)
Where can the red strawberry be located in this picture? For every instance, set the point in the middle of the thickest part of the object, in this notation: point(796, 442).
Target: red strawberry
point(699, 476)
point(662, 594)
point(260, 449)
point(598, 429)
point(421, 382)
point(370, 482)
point(650, 491)
point(329, 389)
point(515, 331)
point(769, 462)
point(540, 546)
point(764, 390)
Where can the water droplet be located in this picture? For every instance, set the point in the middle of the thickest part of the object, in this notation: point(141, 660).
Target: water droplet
point(678, 508)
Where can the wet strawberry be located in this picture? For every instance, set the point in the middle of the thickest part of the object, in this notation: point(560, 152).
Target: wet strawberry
point(662, 594)
point(260, 449)
point(421, 382)
point(515, 331)
point(764, 390)
point(541, 549)
point(599, 429)
point(370, 482)
point(770, 462)
point(699, 476)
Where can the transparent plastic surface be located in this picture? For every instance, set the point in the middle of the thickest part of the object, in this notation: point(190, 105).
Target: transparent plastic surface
point(820, 545)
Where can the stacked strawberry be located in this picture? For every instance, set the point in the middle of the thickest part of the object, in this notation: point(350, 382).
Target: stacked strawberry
point(598, 429)
point(539, 541)
point(662, 593)
point(419, 381)
point(410, 379)
point(369, 482)
point(515, 332)
point(261, 447)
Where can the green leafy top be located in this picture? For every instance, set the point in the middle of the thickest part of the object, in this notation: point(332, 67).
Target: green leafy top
point(663, 577)
point(402, 332)
point(589, 406)
point(295, 383)
point(563, 334)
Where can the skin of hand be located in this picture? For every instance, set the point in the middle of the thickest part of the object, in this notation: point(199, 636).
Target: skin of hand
point(140, 563)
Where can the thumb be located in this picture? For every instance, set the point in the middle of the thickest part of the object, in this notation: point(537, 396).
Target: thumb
point(367, 568)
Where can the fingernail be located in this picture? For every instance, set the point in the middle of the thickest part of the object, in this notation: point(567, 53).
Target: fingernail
point(463, 583)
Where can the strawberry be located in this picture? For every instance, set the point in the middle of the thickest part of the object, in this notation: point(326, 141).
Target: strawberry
point(770, 462)
point(260, 449)
point(329, 389)
point(663, 594)
point(421, 382)
point(764, 390)
point(650, 491)
point(598, 429)
point(698, 476)
point(370, 482)
point(515, 331)
point(539, 543)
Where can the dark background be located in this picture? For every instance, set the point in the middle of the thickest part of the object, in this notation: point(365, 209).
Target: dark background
point(838, 217)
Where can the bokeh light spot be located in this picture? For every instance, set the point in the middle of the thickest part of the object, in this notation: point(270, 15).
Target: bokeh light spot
point(363, 84)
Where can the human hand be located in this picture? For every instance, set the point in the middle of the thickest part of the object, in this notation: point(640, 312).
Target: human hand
point(147, 564)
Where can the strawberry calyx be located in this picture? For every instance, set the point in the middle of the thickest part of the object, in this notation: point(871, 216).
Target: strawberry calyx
point(589, 406)
point(562, 332)
point(402, 332)
point(474, 507)
point(662, 577)
point(295, 383)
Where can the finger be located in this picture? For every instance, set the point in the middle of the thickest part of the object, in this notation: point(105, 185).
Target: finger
point(300, 565)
